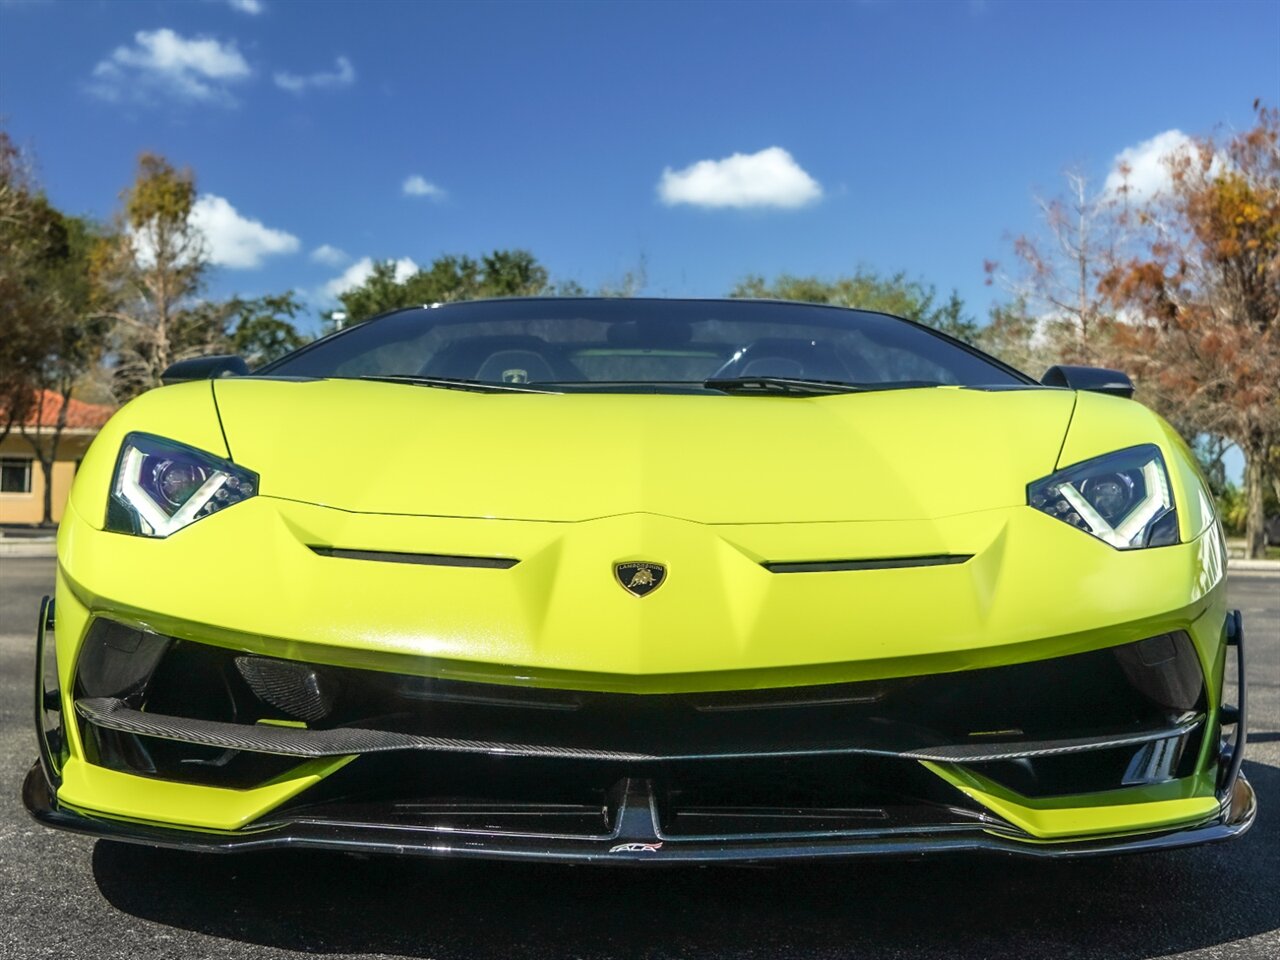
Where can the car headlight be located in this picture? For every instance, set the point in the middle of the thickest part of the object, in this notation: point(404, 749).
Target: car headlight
point(161, 486)
point(1122, 498)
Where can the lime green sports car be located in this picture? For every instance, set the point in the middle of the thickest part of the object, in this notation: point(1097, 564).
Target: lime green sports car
point(640, 581)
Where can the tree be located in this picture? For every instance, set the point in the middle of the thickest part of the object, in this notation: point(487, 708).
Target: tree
point(865, 289)
point(1203, 299)
point(72, 333)
point(379, 292)
point(1054, 282)
point(630, 284)
point(22, 299)
point(50, 330)
point(158, 267)
point(263, 330)
point(512, 273)
point(1019, 338)
point(502, 273)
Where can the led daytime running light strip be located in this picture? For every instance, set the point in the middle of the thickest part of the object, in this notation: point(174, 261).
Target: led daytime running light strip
point(150, 512)
point(1156, 500)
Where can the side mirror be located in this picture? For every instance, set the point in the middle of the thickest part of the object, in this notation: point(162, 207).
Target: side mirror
point(205, 368)
point(1096, 379)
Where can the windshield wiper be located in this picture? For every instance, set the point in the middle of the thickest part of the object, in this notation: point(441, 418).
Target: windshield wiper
point(788, 385)
point(802, 387)
point(458, 383)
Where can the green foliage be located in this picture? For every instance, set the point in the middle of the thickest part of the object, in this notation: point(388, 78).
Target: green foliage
point(1018, 338)
point(263, 330)
point(512, 273)
point(155, 274)
point(1232, 500)
point(630, 284)
point(1210, 451)
point(76, 330)
point(502, 273)
point(156, 271)
point(50, 330)
point(567, 288)
point(867, 290)
point(951, 319)
point(1233, 510)
point(24, 245)
point(160, 193)
point(159, 231)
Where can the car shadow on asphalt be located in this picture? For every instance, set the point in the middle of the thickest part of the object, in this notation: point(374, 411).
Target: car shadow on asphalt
point(1129, 907)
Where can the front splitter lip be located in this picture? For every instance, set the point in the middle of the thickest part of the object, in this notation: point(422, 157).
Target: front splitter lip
point(41, 801)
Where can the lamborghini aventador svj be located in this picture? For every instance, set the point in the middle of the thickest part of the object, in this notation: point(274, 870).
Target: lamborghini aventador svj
point(640, 581)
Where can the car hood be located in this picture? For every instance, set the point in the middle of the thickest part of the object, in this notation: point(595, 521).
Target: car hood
point(377, 447)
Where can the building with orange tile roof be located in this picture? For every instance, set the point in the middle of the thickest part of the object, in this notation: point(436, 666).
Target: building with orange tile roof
point(22, 481)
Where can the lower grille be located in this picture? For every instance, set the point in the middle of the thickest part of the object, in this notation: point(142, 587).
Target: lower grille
point(1082, 723)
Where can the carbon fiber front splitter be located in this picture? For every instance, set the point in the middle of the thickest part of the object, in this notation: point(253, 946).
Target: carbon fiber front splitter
point(633, 842)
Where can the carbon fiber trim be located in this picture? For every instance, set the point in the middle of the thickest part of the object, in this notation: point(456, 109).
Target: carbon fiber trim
point(41, 801)
point(979, 753)
point(114, 714)
point(294, 742)
point(296, 688)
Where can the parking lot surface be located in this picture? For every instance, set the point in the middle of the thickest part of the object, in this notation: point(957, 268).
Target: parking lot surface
point(66, 896)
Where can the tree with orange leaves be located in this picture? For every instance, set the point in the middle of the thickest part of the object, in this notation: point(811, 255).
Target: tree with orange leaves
point(1200, 302)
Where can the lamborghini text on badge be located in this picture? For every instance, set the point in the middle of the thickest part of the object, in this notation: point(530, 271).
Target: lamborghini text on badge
point(640, 578)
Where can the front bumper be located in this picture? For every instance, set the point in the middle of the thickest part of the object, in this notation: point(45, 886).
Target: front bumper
point(634, 822)
point(312, 583)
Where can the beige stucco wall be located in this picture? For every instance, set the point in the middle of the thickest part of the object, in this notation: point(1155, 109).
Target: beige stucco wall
point(29, 507)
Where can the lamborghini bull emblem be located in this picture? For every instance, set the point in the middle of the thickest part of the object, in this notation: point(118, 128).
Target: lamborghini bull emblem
point(640, 577)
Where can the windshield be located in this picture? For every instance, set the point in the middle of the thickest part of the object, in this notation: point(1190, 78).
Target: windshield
point(644, 344)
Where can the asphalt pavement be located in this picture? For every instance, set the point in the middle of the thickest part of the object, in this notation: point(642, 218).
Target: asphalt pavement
point(66, 896)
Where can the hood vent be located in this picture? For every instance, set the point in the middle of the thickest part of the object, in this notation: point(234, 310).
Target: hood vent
point(428, 559)
point(886, 563)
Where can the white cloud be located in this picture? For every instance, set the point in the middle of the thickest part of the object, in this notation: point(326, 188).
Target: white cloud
point(236, 241)
point(361, 270)
point(329, 255)
point(164, 63)
point(1147, 165)
point(251, 7)
point(418, 186)
point(770, 178)
point(343, 76)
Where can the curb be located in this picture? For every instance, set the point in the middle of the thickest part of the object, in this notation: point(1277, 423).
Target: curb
point(28, 548)
point(1254, 566)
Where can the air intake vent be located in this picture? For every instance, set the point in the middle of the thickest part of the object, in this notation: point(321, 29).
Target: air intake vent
point(885, 563)
point(429, 559)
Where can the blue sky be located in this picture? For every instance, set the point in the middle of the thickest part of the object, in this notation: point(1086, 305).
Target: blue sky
point(911, 136)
